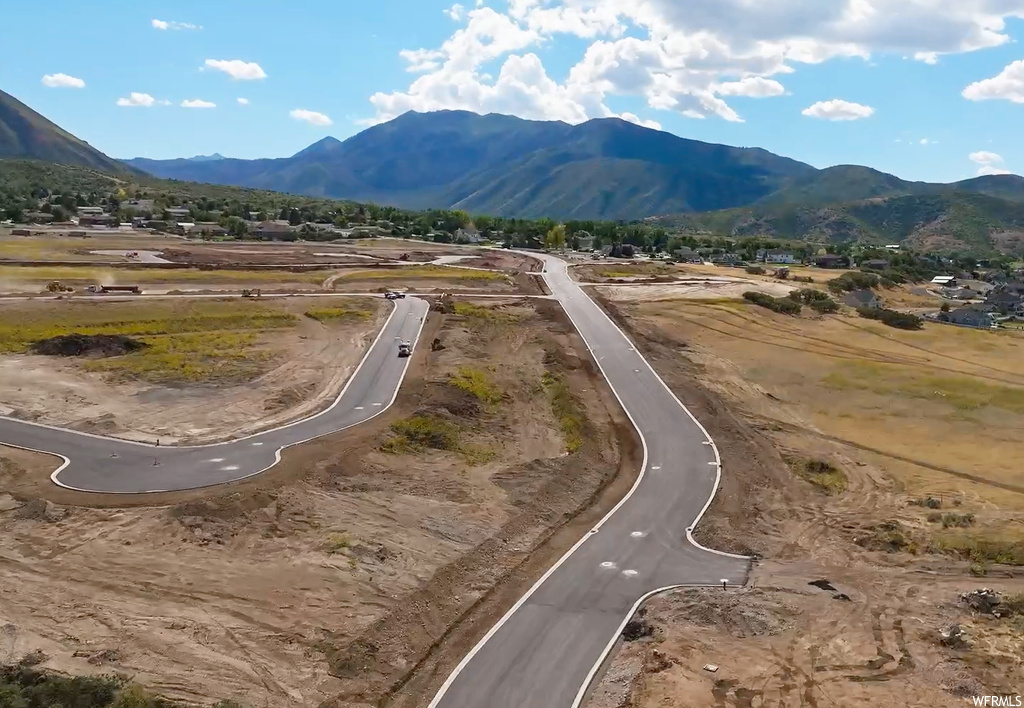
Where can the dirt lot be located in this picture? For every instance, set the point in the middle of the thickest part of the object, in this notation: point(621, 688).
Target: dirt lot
point(332, 578)
point(213, 369)
point(882, 461)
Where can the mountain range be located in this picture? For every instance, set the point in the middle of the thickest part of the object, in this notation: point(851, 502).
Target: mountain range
point(602, 169)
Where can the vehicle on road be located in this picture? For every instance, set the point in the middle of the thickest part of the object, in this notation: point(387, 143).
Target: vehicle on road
point(404, 349)
point(106, 289)
point(392, 295)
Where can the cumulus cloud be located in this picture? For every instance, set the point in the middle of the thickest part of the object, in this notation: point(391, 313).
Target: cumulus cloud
point(237, 69)
point(988, 163)
point(837, 109)
point(243, 101)
point(637, 120)
point(753, 87)
point(62, 81)
point(1008, 85)
point(197, 103)
point(141, 100)
point(688, 57)
point(456, 12)
point(165, 25)
point(311, 117)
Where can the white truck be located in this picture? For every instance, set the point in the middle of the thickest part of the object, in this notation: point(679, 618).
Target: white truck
point(404, 349)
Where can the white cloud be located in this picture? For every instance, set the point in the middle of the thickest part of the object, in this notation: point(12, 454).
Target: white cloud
point(143, 100)
point(988, 163)
point(311, 117)
point(243, 101)
point(238, 69)
point(197, 103)
point(1008, 85)
point(688, 57)
point(164, 25)
point(456, 12)
point(633, 118)
point(753, 87)
point(837, 109)
point(62, 81)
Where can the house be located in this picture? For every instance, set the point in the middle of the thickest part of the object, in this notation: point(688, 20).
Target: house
point(946, 281)
point(972, 316)
point(100, 220)
point(254, 216)
point(863, 298)
point(893, 247)
point(274, 230)
point(37, 217)
point(687, 255)
point(830, 260)
point(584, 241)
point(1005, 297)
point(179, 213)
point(726, 259)
point(875, 264)
point(210, 228)
point(90, 211)
point(774, 255)
point(467, 235)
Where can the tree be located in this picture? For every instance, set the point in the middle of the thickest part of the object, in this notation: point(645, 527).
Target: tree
point(59, 214)
point(945, 307)
point(555, 238)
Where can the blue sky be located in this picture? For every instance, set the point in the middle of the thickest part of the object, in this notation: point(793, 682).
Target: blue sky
point(912, 87)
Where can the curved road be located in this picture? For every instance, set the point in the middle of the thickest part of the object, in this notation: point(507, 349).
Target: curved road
point(99, 464)
point(547, 649)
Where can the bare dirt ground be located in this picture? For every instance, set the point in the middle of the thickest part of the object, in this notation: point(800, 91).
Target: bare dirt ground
point(693, 289)
point(924, 504)
point(337, 578)
point(307, 365)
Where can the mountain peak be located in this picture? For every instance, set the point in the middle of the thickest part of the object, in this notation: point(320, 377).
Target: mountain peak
point(207, 158)
point(320, 147)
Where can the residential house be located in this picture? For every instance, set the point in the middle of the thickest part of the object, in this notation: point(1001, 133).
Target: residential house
point(1005, 297)
point(971, 316)
point(893, 247)
point(254, 216)
point(775, 255)
point(875, 264)
point(946, 281)
point(179, 213)
point(274, 230)
point(210, 228)
point(687, 255)
point(863, 298)
point(830, 260)
point(726, 259)
point(466, 235)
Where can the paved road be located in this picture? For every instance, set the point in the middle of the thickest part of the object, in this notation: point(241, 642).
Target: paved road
point(99, 464)
point(546, 650)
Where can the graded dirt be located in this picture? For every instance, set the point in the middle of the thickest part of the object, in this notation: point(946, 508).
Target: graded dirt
point(923, 430)
point(276, 375)
point(357, 569)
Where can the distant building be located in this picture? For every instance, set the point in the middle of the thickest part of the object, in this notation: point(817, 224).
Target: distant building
point(585, 242)
point(774, 255)
point(893, 247)
point(179, 213)
point(863, 298)
point(274, 230)
point(37, 217)
point(467, 235)
point(946, 281)
point(875, 264)
point(830, 260)
point(687, 255)
point(973, 316)
point(90, 211)
point(100, 220)
point(727, 259)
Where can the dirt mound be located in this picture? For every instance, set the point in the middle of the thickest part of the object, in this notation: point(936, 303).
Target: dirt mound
point(96, 345)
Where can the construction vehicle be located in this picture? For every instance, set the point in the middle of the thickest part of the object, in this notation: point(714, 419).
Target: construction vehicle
point(58, 287)
point(251, 293)
point(404, 349)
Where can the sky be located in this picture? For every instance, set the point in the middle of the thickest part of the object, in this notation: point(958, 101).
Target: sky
point(928, 90)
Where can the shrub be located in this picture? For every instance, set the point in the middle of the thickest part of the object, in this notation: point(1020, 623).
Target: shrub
point(899, 320)
point(848, 282)
point(825, 306)
point(566, 409)
point(755, 270)
point(477, 383)
point(957, 520)
point(785, 305)
point(822, 474)
point(803, 279)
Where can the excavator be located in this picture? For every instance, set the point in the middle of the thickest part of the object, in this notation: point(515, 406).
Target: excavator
point(58, 287)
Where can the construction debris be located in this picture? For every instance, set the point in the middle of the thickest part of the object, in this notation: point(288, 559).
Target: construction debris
point(986, 601)
point(955, 637)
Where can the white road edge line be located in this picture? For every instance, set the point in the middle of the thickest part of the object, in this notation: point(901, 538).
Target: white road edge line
point(689, 536)
point(277, 453)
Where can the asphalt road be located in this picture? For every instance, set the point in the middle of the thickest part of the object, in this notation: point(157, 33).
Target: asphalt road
point(100, 464)
point(547, 649)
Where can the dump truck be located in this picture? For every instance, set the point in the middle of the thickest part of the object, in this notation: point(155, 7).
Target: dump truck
point(404, 349)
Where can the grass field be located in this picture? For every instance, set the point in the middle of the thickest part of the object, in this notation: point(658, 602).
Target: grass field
point(66, 248)
point(194, 342)
point(939, 410)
